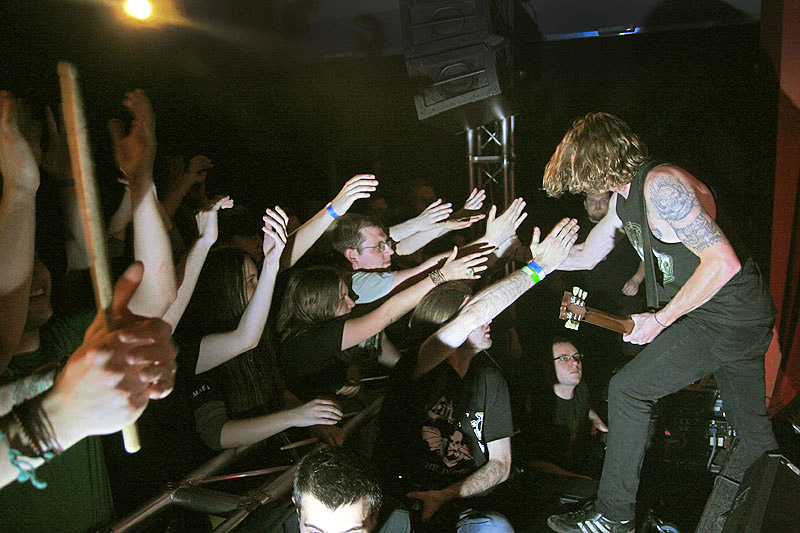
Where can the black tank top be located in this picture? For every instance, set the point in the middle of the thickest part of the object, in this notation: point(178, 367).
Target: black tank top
point(744, 300)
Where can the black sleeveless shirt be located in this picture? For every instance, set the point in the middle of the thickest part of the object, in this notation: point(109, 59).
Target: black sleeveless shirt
point(744, 300)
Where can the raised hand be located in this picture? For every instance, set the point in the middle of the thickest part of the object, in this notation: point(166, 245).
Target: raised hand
point(552, 251)
point(196, 171)
point(207, 219)
point(499, 229)
point(434, 213)
point(462, 223)
point(316, 412)
point(136, 152)
point(274, 229)
point(17, 161)
point(357, 187)
point(108, 381)
point(475, 200)
point(56, 160)
point(468, 267)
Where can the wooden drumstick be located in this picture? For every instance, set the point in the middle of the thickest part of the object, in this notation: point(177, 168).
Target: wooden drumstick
point(90, 208)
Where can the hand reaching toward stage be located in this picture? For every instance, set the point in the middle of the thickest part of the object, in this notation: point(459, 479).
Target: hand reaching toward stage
point(274, 229)
point(552, 251)
point(499, 229)
point(434, 213)
point(136, 152)
point(357, 187)
point(475, 200)
point(467, 267)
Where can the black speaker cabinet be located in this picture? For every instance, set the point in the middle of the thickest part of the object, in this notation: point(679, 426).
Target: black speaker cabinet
point(432, 26)
point(768, 499)
point(451, 79)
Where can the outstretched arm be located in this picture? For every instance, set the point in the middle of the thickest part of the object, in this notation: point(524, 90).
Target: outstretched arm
point(495, 471)
point(425, 221)
point(17, 227)
point(304, 237)
point(218, 348)
point(207, 231)
point(135, 154)
point(598, 243)
point(681, 209)
point(359, 329)
point(491, 301)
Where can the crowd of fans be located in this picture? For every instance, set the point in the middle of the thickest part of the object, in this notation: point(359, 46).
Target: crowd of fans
point(257, 325)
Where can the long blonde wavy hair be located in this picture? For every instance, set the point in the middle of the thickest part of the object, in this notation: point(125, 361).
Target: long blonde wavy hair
point(599, 152)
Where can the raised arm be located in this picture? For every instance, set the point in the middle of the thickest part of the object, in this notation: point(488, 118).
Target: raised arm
point(425, 221)
point(218, 348)
point(56, 163)
point(598, 243)
point(20, 175)
point(491, 301)
point(135, 154)
point(207, 231)
point(196, 173)
point(681, 209)
point(359, 329)
point(304, 237)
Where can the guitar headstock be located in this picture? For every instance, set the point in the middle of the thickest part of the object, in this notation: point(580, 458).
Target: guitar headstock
point(573, 307)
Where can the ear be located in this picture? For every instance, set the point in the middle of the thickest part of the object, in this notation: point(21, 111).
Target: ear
point(351, 254)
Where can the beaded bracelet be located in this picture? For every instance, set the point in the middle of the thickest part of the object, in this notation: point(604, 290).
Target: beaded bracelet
point(437, 277)
point(534, 271)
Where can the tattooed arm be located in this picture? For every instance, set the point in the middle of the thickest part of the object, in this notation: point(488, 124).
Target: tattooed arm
point(681, 209)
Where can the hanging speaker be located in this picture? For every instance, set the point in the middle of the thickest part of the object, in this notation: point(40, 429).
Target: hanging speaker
point(451, 79)
point(431, 26)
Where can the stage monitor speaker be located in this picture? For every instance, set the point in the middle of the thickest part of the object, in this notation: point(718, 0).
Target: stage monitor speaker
point(768, 499)
point(432, 26)
point(451, 79)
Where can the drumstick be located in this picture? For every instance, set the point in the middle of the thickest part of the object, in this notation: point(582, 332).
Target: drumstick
point(90, 208)
point(374, 378)
point(299, 443)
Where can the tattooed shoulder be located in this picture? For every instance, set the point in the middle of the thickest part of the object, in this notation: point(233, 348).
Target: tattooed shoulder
point(671, 199)
point(701, 233)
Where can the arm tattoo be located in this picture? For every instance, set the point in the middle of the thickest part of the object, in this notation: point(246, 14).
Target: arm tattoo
point(672, 200)
point(700, 233)
point(677, 205)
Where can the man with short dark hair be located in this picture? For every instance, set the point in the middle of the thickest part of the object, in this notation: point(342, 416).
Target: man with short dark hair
point(335, 491)
point(715, 314)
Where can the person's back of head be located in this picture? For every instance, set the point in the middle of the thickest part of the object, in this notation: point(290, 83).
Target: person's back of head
point(312, 296)
point(437, 307)
point(335, 489)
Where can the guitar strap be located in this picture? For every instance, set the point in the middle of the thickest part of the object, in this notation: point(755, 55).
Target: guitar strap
point(649, 263)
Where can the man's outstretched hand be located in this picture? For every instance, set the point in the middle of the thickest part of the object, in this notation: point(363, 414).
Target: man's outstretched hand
point(552, 251)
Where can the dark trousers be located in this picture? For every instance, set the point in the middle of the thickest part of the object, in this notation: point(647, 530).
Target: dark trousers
point(683, 353)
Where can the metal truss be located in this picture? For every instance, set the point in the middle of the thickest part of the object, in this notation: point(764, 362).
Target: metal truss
point(491, 156)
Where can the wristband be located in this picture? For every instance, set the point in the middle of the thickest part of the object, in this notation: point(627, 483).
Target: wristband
point(331, 211)
point(437, 277)
point(534, 271)
point(66, 183)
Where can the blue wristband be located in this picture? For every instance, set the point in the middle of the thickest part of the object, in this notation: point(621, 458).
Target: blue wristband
point(332, 212)
point(536, 268)
point(66, 183)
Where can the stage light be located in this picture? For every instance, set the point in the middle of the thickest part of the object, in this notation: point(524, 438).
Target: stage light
point(139, 8)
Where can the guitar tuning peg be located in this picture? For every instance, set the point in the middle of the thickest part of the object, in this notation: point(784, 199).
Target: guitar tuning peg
point(584, 294)
point(576, 291)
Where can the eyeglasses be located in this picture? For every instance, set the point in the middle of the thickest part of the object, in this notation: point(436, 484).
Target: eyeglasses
point(578, 357)
point(381, 246)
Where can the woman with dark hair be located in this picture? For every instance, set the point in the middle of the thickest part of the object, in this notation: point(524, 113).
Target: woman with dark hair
point(236, 389)
point(315, 327)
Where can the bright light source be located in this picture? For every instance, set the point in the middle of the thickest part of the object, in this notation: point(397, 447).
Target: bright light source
point(139, 8)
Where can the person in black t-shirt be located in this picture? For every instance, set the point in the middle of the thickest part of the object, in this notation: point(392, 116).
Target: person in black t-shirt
point(450, 419)
point(555, 433)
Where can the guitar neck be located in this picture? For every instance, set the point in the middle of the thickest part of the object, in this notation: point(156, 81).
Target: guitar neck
point(607, 320)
